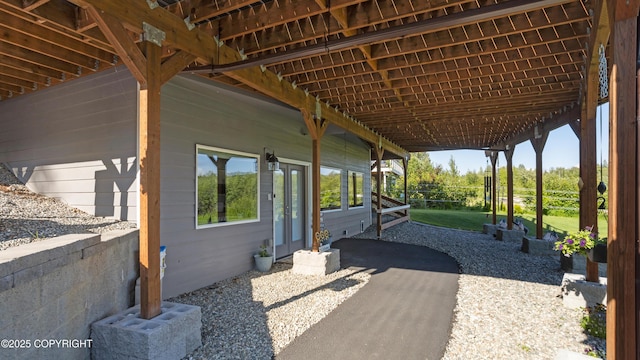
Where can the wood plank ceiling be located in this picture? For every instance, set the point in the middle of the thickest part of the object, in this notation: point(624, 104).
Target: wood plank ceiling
point(473, 75)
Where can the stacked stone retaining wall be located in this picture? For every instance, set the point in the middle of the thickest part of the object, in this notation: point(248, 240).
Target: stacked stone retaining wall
point(52, 290)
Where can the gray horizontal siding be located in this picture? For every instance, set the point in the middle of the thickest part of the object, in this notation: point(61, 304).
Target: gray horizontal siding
point(77, 142)
point(84, 153)
point(193, 113)
point(347, 153)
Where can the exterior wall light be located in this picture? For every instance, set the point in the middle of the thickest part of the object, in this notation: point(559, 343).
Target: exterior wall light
point(272, 162)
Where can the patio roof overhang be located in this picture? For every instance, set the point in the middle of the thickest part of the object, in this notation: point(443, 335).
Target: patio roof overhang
point(467, 82)
point(415, 75)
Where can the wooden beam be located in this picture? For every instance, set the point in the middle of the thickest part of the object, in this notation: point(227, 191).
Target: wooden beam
point(25, 75)
point(134, 13)
point(70, 42)
point(131, 54)
point(201, 10)
point(149, 152)
point(548, 125)
point(49, 49)
point(36, 70)
point(250, 21)
point(175, 64)
point(58, 16)
point(14, 89)
point(280, 89)
point(9, 79)
point(458, 19)
point(122, 42)
point(575, 127)
point(84, 20)
point(538, 144)
point(29, 5)
point(624, 9)
point(622, 291)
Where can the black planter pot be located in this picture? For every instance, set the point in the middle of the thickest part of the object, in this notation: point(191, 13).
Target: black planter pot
point(566, 262)
point(598, 253)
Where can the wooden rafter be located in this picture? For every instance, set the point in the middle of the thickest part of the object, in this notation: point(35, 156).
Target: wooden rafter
point(397, 87)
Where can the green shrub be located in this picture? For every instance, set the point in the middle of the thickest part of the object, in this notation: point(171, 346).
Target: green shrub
point(594, 322)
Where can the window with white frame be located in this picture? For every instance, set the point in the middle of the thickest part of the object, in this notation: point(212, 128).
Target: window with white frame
point(330, 195)
point(355, 183)
point(227, 189)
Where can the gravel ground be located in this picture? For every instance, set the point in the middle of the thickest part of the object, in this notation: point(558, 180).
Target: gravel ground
point(26, 217)
point(509, 303)
point(255, 315)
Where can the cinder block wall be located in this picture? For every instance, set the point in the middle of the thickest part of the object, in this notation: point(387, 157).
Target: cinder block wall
point(54, 289)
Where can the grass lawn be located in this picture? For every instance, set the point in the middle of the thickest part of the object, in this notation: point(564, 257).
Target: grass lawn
point(473, 220)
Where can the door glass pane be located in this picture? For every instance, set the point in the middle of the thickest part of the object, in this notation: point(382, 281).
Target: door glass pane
point(278, 200)
point(297, 206)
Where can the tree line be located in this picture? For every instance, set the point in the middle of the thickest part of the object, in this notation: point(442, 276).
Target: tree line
point(434, 186)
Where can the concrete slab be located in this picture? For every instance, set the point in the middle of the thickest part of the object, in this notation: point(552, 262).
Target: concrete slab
point(579, 293)
point(514, 236)
point(538, 246)
point(570, 355)
point(307, 262)
point(489, 229)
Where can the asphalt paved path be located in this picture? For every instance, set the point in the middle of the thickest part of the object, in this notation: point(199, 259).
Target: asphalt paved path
point(404, 312)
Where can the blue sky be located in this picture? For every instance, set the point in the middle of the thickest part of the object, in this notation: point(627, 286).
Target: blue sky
point(561, 150)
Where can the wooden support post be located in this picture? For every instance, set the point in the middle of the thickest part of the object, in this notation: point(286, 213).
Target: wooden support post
point(150, 73)
point(588, 165)
point(509, 155)
point(316, 127)
point(622, 243)
point(149, 150)
point(405, 164)
point(538, 145)
point(637, 244)
point(494, 188)
point(379, 152)
point(637, 214)
point(315, 180)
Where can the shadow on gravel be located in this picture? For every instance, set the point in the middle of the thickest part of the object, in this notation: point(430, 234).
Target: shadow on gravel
point(234, 326)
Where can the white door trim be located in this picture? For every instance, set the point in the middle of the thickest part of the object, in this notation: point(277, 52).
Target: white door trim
point(307, 166)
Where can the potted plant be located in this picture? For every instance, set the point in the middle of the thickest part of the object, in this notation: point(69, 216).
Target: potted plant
point(263, 259)
point(579, 242)
point(325, 240)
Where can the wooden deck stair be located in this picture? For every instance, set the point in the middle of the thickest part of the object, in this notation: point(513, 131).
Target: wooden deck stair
point(391, 207)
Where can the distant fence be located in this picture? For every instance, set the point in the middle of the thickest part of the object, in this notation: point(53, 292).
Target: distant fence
point(457, 196)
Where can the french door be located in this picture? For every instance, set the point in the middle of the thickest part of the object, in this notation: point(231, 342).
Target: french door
point(289, 197)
